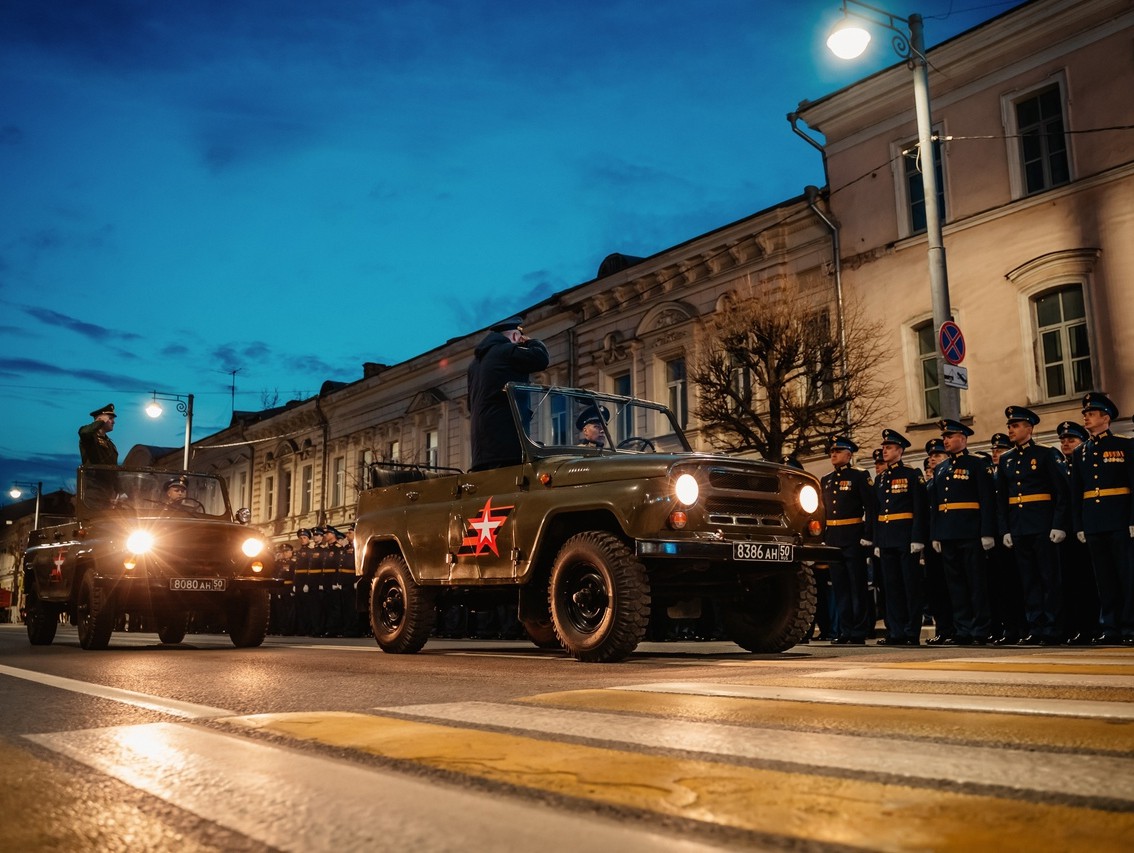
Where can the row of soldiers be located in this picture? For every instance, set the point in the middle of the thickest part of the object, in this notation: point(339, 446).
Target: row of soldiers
point(317, 597)
point(1029, 544)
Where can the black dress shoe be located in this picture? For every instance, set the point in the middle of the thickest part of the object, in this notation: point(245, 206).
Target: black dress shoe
point(1079, 639)
point(1128, 641)
point(1105, 640)
point(937, 640)
point(1005, 641)
point(960, 641)
point(979, 641)
point(1031, 640)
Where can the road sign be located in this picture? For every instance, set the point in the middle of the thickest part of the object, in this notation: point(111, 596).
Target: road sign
point(952, 342)
point(956, 376)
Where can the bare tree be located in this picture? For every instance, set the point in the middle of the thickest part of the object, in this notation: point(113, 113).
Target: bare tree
point(775, 377)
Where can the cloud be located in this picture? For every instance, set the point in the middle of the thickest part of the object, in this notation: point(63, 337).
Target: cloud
point(93, 331)
point(22, 368)
point(233, 356)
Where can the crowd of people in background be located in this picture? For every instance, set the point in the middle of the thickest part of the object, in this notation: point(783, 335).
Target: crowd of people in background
point(1027, 544)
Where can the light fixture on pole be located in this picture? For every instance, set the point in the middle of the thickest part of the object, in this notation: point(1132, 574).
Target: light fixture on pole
point(185, 406)
point(848, 41)
point(15, 494)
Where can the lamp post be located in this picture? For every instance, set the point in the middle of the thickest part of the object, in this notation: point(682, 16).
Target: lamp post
point(15, 493)
point(848, 41)
point(185, 406)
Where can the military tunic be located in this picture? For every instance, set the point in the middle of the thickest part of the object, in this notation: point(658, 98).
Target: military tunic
point(850, 507)
point(903, 519)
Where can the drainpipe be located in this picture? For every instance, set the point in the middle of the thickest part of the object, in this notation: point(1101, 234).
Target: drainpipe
point(326, 450)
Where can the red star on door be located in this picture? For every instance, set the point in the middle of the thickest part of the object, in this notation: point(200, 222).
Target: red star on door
point(480, 536)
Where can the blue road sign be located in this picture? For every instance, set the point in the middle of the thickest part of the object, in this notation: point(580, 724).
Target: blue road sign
point(952, 342)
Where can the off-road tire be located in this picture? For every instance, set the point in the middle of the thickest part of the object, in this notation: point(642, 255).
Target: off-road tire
point(599, 597)
point(172, 628)
point(42, 622)
point(775, 615)
point(542, 633)
point(248, 618)
point(403, 613)
point(94, 614)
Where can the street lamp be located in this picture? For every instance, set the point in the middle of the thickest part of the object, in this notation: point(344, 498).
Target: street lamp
point(185, 406)
point(15, 493)
point(848, 41)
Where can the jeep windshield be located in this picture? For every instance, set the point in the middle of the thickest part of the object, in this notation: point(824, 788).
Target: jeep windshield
point(150, 493)
point(553, 421)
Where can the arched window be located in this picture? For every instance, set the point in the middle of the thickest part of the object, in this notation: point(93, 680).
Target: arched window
point(1064, 346)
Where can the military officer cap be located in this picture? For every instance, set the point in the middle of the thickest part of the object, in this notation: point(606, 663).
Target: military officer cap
point(841, 442)
point(316, 531)
point(516, 322)
point(877, 454)
point(303, 531)
point(935, 445)
point(1073, 429)
point(1100, 402)
point(1000, 441)
point(591, 415)
point(948, 425)
point(108, 409)
point(892, 436)
point(1019, 413)
point(176, 481)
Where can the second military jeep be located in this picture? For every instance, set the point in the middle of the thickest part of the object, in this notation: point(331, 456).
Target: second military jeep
point(133, 549)
point(585, 539)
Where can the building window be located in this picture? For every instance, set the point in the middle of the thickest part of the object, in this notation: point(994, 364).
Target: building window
point(915, 192)
point(394, 451)
point(240, 492)
point(1040, 127)
point(623, 387)
point(269, 498)
point(821, 379)
point(1064, 345)
point(338, 481)
point(741, 381)
point(927, 361)
point(431, 448)
point(560, 425)
point(306, 487)
point(285, 494)
point(364, 468)
point(677, 390)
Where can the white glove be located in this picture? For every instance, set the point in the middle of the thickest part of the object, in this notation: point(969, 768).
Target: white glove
point(1007, 540)
point(917, 547)
point(937, 545)
point(877, 552)
point(306, 588)
point(987, 543)
point(865, 543)
point(1132, 531)
point(1057, 536)
point(1082, 537)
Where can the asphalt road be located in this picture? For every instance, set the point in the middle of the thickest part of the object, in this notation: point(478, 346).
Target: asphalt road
point(468, 746)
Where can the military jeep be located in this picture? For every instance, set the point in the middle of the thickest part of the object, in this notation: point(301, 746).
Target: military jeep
point(130, 549)
point(586, 538)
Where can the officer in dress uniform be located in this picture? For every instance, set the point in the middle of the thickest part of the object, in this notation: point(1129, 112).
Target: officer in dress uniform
point(849, 501)
point(963, 527)
point(900, 535)
point(1102, 476)
point(306, 605)
point(95, 446)
point(936, 590)
point(1080, 595)
point(1034, 494)
point(1005, 594)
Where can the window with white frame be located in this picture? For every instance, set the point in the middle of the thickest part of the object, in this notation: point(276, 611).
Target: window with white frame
point(338, 481)
point(432, 448)
point(269, 498)
point(741, 381)
point(560, 424)
point(394, 451)
point(285, 494)
point(927, 370)
point(239, 494)
point(1064, 346)
point(624, 387)
point(306, 487)
point(677, 391)
point(1041, 133)
point(912, 165)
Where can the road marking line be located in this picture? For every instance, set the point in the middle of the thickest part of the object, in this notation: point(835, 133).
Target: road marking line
point(828, 809)
point(1017, 769)
point(998, 677)
point(290, 800)
point(1062, 667)
point(893, 699)
point(176, 708)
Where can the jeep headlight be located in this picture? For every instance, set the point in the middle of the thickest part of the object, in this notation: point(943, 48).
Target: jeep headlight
point(252, 547)
point(687, 489)
point(809, 498)
point(140, 542)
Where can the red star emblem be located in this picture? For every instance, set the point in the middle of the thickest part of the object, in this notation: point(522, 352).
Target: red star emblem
point(481, 532)
point(57, 572)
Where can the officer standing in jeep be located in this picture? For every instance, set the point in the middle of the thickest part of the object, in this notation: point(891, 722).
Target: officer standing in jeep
point(95, 446)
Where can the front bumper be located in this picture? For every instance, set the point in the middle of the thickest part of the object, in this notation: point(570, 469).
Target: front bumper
point(722, 552)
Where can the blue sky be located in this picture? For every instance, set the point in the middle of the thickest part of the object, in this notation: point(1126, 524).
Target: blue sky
point(288, 189)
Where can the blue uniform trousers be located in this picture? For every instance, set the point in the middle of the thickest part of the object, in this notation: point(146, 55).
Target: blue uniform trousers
point(904, 578)
point(848, 583)
point(1038, 560)
point(966, 574)
point(1112, 554)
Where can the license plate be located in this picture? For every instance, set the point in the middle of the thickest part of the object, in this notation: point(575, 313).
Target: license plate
point(763, 552)
point(198, 584)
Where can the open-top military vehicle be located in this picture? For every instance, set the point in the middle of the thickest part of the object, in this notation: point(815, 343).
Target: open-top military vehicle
point(137, 547)
point(586, 538)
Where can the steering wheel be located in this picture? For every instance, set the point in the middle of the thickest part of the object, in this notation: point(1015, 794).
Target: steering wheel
point(638, 442)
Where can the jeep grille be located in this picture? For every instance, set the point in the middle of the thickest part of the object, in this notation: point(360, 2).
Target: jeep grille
point(741, 511)
point(743, 481)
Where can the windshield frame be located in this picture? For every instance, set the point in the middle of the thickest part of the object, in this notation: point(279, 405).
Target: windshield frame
point(100, 490)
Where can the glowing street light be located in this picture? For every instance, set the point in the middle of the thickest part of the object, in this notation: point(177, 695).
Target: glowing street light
point(848, 40)
point(185, 406)
point(15, 494)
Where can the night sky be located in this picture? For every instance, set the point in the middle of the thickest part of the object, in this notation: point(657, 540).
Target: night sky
point(288, 189)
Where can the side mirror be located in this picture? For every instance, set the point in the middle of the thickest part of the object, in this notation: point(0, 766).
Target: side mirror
point(243, 515)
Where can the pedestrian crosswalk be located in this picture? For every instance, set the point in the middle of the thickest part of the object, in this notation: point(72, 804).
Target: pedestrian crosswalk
point(1017, 752)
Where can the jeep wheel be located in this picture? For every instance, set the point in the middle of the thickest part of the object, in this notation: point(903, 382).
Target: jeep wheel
point(247, 618)
point(775, 615)
point(42, 622)
point(542, 633)
point(172, 627)
point(599, 597)
point(94, 615)
point(402, 612)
